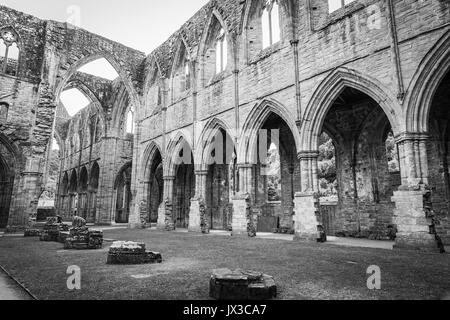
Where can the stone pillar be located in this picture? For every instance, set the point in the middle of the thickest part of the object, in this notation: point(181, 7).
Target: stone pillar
point(411, 199)
point(27, 188)
point(163, 213)
point(412, 223)
point(242, 201)
point(306, 202)
point(200, 198)
point(105, 214)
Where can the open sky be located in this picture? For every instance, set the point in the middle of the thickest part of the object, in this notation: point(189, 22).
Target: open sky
point(140, 24)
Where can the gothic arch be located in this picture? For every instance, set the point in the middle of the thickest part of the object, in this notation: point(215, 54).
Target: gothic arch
point(180, 44)
point(153, 71)
point(173, 149)
point(429, 75)
point(212, 127)
point(148, 157)
point(203, 41)
point(88, 92)
point(121, 107)
point(90, 57)
point(255, 121)
point(324, 96)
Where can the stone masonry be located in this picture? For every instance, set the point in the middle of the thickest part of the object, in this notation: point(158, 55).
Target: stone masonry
point(369, 69)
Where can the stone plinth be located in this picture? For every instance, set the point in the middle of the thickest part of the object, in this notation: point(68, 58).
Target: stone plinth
point(305, 219)
point(412, 223)
point(82, 239)
point(195, 216)
point(241, 285)
point(130, 253)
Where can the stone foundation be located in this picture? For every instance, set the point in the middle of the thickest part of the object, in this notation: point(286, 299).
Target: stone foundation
point(305, 219)
point(412, 224)
point(241, 285)
point(131, 253)
point(239, 224)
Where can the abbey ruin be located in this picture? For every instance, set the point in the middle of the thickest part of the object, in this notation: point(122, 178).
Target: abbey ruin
point(238, 81)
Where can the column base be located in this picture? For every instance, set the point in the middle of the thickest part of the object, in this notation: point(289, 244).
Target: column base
point(239, 224)
point(195, 216)
point(305, 218)
point(165, 220)
point(412, 223)
point(417, 242)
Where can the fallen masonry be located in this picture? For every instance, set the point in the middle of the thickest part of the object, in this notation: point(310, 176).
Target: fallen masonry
point(127, 252)
point(32, 233)
point(52, 230)
point(81, 238)
point(241, 285)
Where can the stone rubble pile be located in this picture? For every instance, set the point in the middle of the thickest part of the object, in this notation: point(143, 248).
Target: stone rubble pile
point(52, 229)
point(82, 238)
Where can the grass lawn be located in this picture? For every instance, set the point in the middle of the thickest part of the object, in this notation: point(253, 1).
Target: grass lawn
point(301, 270)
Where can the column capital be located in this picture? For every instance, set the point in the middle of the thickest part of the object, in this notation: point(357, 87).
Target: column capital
point(169, 178)
point(201, 172)
point(304, 155)
point(411, 136)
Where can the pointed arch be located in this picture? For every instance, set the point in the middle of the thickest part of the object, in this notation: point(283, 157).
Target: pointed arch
point(327, 92)
point(215, 45)
point(124, 76)
point(10, 37)
point(176, 145)
point(182, 71)
point(254, 122)
point(88, 92)
point(210, 130)
point(425, 82)
point(94, 175)
point(148, 156)
point(154, 82)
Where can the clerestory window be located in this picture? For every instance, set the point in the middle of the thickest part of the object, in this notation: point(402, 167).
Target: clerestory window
point(271, 23)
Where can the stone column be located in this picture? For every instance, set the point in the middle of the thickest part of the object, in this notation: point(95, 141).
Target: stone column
point(242, 201)
point(106, 210)
point(24, 205)
point(163, 212)
point(413, 195)
point(306, 202)
point(200, 198)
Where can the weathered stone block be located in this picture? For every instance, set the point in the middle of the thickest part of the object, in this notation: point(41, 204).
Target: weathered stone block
point(130, 253)
point(241, 285)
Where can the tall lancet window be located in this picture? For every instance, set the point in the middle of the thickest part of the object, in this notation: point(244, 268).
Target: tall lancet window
point(271, 23)
point(130, 122)
point(221, 52)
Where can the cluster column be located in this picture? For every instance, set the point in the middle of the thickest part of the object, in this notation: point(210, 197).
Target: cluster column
point(413, 197)
point(242, 200)
point(306, 202)
point(165, 212)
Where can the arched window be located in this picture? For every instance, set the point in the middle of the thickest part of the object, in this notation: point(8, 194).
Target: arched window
point(9, 51)
point(4, 108)
point(271, 23)
point(187, 75)
point(334, 5)
point(130, 122)
point(221, 52)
